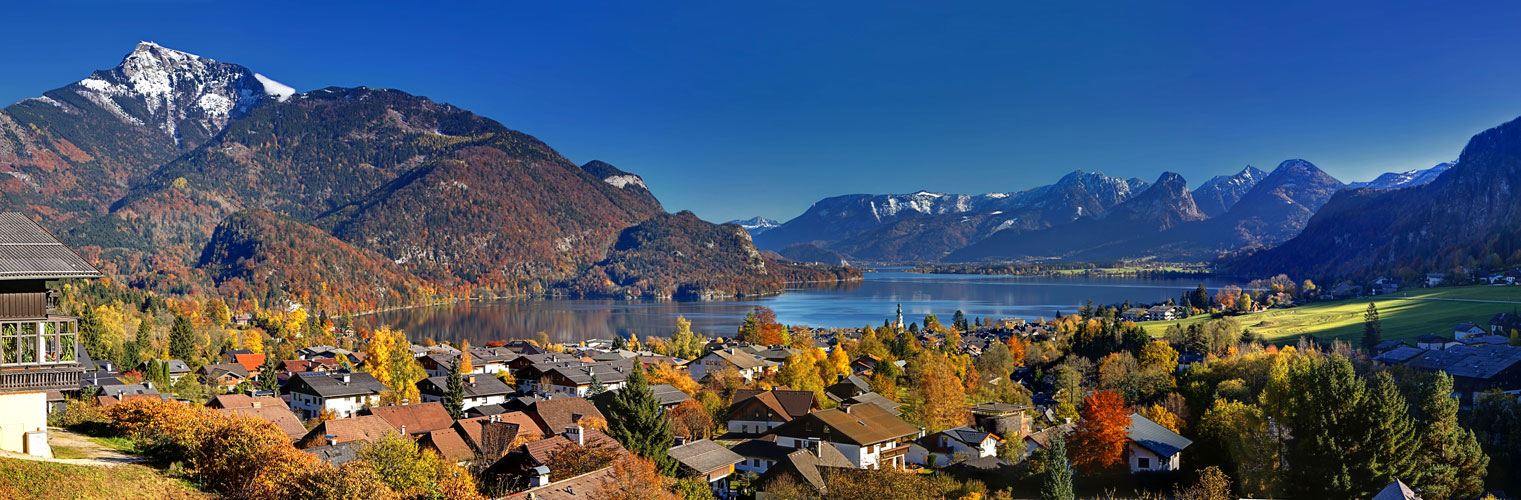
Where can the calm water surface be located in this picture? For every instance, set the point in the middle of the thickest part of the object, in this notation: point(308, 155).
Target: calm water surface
point(849, 305)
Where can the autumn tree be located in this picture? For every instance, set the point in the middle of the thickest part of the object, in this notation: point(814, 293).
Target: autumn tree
point(634, 478)
point(760, 327)
point(1163, 417)
point(1158, 354)
point(800, 373)
point(662, 373)
point(1100, 436)
point(569, 460)
point(690, 419)
point(684, 344)
point(389, 360)
point(941, 396)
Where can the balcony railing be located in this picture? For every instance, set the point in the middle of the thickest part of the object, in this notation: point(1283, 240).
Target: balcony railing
point(54, 378)
point(894, 452)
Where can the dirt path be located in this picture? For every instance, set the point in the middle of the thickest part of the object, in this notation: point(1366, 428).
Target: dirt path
point(95, 454)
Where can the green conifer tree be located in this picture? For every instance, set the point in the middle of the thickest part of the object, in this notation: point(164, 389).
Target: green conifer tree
point(182, 339)
point(269, 374)
point(1373, 329)
point(596, 387)
point(636, 421)
point(1057, 484)
point(454, 395)
point(1453, 465)
point(1391, 437)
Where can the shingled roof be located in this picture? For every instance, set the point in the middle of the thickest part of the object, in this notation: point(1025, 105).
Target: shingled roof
point(1152, 436)
point(555, 414)
point(27, 251)
point(368, 428)
point(415, 418)
point(704, 456)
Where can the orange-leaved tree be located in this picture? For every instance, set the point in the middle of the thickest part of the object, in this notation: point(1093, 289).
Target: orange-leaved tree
point(1099, 441)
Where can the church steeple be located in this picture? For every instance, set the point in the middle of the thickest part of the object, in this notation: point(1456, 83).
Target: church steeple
point(899, 324)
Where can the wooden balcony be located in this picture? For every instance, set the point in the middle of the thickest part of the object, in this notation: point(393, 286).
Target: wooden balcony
point(894, 452)
point(65, 377)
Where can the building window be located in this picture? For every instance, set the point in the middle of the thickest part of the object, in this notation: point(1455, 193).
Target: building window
point(1143, 463)
point(38, 342)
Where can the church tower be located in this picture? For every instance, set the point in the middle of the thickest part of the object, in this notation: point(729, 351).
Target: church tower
point(899, 324)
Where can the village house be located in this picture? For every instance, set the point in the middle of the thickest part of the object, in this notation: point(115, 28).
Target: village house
point(1136, 314)
point(225, 375)
point(1503, 323)
point(760, 454)
point(341, 393)
point(244, 401)
point(1152, 447)
point(1162, 313)
point(492, 436)
point(480, 390)
point(755, 411)
point(749, 365)
point(1465, 330)
point(807, 465)
point(448, 444)
point(1004, 419)
point(1434, 342)
point(870, 437)
point(177, 369)
point(561, 413)
point(40, 351)
point(953, 445)
point(1474, 368)
point(521, 466)
point(1434, 279)
point(707, 460)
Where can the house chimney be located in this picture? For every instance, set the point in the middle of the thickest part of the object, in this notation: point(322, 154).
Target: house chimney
point(816, 446)
point(540, 478)
point(574, 434)
point(345, 378)
point(332, 440)
point(470, 380)
point(403, 429)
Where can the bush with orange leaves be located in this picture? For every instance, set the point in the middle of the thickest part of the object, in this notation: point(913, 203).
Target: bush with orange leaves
point(1098, 442)
point(168, 431)
point(634, 478)
point(246, 457)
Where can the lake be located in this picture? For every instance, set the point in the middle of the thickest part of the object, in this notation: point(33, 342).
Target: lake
point(869, 301)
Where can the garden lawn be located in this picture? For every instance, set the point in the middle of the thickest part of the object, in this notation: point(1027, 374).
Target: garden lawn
point(33, 479)
point(1405, 315)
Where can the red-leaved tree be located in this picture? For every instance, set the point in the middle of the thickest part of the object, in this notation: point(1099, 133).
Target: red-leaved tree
point(1098, 442)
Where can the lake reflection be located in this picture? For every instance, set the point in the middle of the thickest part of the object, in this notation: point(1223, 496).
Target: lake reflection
point(850, 305)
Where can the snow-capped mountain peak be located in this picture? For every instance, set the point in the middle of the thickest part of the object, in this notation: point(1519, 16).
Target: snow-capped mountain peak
point(1396, 180)
point(187, 96)
point(756, 225)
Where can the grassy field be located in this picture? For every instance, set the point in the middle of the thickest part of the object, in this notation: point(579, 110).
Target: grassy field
point(1405, 315)
point(29, 479)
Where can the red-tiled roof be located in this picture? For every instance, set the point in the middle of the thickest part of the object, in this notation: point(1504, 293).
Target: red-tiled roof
point(278, 415)
point(361, 428)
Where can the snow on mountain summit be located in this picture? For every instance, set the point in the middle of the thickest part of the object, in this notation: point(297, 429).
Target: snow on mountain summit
point(186, 96)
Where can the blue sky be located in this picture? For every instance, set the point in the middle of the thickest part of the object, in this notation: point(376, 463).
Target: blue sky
point(734, 109)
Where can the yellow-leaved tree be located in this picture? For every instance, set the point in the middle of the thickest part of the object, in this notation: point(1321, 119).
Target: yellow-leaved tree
point(389, 359)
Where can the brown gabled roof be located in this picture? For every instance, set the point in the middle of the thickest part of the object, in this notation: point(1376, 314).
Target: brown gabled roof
point(361, 428)
point(492, 439)
point(416, 418)
point(278, 415)
point(806, 464)
point(788, 404)
point(449, 445)
point(540, 451)
point(860, 424)
point(555, 414)
point(245, 401)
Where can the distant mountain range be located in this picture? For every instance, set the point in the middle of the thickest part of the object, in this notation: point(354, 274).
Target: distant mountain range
point(756, 225)
point(178, 171)
point(1396, 180)
point(1082, 216)
point(1469, 215)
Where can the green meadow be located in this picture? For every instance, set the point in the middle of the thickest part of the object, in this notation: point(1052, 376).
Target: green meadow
point(1405, 315)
